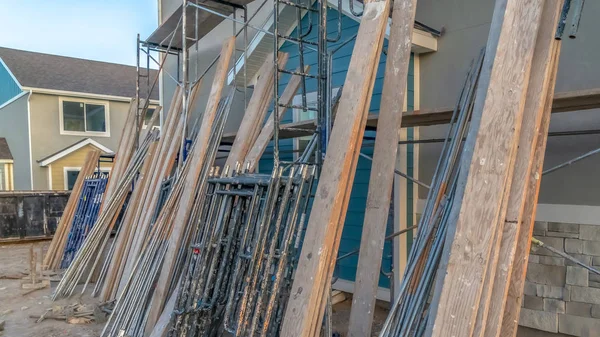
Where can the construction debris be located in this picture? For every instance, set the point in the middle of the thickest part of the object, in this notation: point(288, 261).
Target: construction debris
point(205, 251)
point(76, 313)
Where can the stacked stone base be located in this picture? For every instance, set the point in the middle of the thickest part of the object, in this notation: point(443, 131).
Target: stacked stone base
point(560, 296)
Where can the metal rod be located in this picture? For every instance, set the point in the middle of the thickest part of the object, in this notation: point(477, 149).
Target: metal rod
point(420, 183)
point(572, 161)
point(565, 255)
point(387, 238)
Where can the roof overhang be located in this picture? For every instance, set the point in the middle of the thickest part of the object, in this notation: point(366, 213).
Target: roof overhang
point(6, 161)
point(169, 32)
point(422, 41)
point(82, 95)
point(68, 150)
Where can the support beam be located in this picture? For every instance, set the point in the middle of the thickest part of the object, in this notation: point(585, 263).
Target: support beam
point(382, 169)
point(563, 102)
point(541, 80)
point(305, 308)
point(486, 169)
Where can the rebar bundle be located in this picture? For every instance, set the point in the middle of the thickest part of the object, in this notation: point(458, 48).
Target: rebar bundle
point(409, 313)
point(238, 274)
point(86, 214)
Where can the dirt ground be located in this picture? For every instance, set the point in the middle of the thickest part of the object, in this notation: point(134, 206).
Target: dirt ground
point(15, 308)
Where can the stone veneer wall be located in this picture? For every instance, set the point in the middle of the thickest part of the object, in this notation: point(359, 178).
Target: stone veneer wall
point(559, 296)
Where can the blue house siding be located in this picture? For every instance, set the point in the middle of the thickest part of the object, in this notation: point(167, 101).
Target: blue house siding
point(346, 268)
point(9, 88)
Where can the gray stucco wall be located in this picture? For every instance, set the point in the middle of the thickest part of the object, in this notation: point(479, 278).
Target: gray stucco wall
point(45, 132)
point(13, 127)
point(466, 25)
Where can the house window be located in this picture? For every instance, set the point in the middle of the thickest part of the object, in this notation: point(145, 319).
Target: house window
point(70, 178)
point(84, 117)
point(148, 117)
point(71, 174)
point(300, 143)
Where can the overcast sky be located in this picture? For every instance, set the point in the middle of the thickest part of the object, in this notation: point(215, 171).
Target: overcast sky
point(102, 30)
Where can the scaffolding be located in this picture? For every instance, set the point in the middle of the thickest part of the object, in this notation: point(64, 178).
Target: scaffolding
point(194, 19)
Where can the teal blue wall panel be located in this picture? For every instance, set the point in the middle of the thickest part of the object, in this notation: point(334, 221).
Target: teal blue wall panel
point(8, 87)
point(346, 268)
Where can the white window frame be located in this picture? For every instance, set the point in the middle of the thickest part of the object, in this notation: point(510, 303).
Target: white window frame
point(65, 170)
point(144, 125)
point(76, 168)
point(310, 97)
point(106, 105)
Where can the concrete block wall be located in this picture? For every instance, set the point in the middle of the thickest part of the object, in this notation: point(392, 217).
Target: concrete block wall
point(561, 297)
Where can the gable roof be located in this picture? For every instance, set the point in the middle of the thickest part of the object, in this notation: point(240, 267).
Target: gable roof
point(5, 150)
point(46, 71)
point(72, 148)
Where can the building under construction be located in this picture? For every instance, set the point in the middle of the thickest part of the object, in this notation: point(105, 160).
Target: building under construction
point(436, 157)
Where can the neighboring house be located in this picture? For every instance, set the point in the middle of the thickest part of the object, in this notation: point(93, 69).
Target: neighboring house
point(569, 201)
point(54, 109)
point(6, 166)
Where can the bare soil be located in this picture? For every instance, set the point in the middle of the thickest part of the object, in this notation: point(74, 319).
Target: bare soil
point(16, 308)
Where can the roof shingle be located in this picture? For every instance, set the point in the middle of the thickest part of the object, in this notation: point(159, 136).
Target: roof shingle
point(5, 150)
point(55, 72)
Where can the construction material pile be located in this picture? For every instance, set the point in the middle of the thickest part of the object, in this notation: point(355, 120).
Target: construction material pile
point(202, 251)
point(408, 316)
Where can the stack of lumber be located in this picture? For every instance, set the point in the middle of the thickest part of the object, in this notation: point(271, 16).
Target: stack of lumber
point(54, 255)
point(471, 252)
point(155, 255)
point(137, 219)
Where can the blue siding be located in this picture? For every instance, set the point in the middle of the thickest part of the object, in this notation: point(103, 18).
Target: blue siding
point(9, 88)
point(346, 269)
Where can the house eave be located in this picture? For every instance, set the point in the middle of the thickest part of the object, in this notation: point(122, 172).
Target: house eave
point(88, 141)
point(82, 94)
point(422, 41)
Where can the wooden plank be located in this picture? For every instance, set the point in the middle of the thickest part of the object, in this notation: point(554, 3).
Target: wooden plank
point(486, 170)
point(167, 149)
point(196, 160)
point(543, 74)
point(164, 321)
point(266, 133)
point(563, 102)
point(263, 93)
point(304, 312)
point(382, 169)
point(516, 283)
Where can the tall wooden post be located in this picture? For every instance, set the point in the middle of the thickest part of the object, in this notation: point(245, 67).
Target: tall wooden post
point(382, 168)
point(486, 169)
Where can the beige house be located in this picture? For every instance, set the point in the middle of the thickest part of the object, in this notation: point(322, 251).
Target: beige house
point(55, 109)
